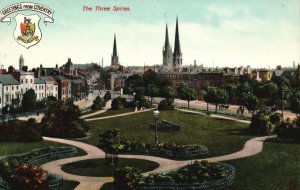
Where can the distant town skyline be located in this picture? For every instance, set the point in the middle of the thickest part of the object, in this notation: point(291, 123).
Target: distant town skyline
point(214, 33)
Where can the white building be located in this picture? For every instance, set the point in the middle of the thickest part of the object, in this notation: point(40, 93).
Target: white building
point(10, 89)
point(39, 88)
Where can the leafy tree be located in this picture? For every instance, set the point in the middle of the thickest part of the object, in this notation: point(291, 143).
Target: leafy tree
point(264, 122)
point(62, 120)
point(97, 103)
point(186, 92)
point(252, 103)
point(151, 79)
point(216, 96)
point(231, 90)
point(152, 91)
point(117, 104)
point(295, 103)
point(139, 93)
point(167, 92)
point(29, 100)
point(107, 96)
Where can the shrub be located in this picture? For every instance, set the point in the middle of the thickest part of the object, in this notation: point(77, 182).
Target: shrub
point(117, 103)
point(19, 132)
point(127, 178)
point(28, 177)
point(166, 104)
point(97, 103)
point(264, 122)
point(289, 129)
point(62, 120)
point(144, 103)
point(107, 96)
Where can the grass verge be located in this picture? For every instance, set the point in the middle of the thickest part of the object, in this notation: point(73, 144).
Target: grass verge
point(219, 135)
point(98, 167)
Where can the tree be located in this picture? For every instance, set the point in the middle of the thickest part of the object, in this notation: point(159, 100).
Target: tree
point(295, 103)
point(29, 100)
point(107, 96)
point(97, 103)
point(167, 92)
point(186, 92)
point(152, 91)
point(252, 103)
point(62, 120)
point(216, 96)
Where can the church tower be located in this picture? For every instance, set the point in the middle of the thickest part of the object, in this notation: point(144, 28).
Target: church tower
point(167, 51)
point(21, 63)
point(115, 57)
point(177, 55)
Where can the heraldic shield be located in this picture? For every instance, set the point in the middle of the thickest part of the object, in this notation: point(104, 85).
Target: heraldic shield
point(27, 32)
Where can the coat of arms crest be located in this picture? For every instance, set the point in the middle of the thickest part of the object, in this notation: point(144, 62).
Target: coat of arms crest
point(27, 32)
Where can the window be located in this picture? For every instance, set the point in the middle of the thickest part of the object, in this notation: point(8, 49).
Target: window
point(26, 80)
point(7, 88)
point(17, 87)
point(6, 98)
point(31, 81)
point(35, 87)
point(12, 88)
point(21, 80)
point(12, 96)
point(0, 100)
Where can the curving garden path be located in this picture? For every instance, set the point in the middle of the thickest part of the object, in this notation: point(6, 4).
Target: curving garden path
point(252, 147)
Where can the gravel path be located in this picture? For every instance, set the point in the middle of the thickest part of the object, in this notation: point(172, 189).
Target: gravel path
point(252, 147)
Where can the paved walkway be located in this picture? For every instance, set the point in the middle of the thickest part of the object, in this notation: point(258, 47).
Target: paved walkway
point(119, 115)
point(252, 147)
point(107, 107)
point(215, 116)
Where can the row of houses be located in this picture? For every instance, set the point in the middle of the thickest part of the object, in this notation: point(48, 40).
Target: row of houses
point(14, 85)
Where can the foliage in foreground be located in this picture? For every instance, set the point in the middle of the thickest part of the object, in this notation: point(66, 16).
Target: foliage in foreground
point(15, 131)
point(128, 178)
point(264, 122)
point(289, 129)
point(62, 120)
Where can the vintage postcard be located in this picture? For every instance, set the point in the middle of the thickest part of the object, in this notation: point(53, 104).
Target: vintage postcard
point(149, 94)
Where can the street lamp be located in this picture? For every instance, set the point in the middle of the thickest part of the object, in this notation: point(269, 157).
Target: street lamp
point(156, 114)
point(8, 108)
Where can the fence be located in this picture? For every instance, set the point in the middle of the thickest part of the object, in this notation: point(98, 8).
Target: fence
point(3, 184)
point(205, 185)
point(55, 182)
point(85, 110)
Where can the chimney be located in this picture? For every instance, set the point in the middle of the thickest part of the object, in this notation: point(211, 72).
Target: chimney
point(195, 64)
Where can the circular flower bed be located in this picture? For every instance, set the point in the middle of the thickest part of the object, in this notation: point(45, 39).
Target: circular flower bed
point(198, 175)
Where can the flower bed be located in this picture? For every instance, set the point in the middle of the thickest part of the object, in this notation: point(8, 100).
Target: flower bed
point(198, 175)
point(9, 164)
point(111, 143)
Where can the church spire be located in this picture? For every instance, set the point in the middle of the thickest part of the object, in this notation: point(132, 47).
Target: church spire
point(167, 44)
point(115, 47)
point(115, 57)
point(177, 50)
point(167, 50)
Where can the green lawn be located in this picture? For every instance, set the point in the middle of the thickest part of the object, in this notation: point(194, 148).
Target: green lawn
point(8, 148)
point(220, 136)
point(273, 169)
point(70, 185)
point(98, 168)
point(112, 112)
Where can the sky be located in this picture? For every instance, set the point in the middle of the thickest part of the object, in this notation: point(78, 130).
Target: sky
point(262, 34)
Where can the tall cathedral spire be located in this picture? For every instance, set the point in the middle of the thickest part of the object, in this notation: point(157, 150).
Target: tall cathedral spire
point(115, 57)
point(21, 62)
point(167, 50)
point(115, 47)
point(167, 37)
point(177, 55)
